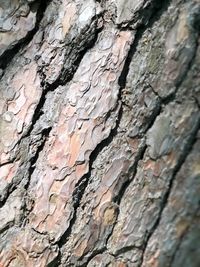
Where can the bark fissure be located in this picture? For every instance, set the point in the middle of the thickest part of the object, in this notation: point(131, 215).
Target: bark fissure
point(155, 114)
point(7, 57)
point(83, 183)
point(59, 82)
point(187, 148)
point(150, 10)
point(99, 132)
point(172, 97)
point(178, 247)
point(46, 89)
point(33, 162)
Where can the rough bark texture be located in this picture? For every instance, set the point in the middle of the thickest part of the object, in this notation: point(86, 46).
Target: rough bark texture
point(99, 133)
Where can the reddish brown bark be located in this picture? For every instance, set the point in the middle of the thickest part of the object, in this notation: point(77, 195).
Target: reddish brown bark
point(99, 133)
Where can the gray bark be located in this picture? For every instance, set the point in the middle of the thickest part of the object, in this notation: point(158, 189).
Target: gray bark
point(99, 133)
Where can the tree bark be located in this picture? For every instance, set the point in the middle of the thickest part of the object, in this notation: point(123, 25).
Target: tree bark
point(99, 133)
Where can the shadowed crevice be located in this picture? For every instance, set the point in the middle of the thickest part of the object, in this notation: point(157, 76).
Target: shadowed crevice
point(187, 148)
point(59, 82)
point(82, 185)
point(7, 57)
point(32, 166)
point(12, 187)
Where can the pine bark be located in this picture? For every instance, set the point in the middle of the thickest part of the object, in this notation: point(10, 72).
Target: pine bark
point(99, 133)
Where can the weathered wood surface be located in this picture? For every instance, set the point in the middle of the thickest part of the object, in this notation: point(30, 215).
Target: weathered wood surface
point(99, 133)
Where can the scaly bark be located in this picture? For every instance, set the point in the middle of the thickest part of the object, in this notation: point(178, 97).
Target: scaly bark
point(99, 133)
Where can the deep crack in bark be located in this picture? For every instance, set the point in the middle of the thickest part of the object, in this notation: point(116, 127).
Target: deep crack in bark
point(183, 156)
point(7, 57)
point(122, 83)
point(83, 182)
point(33, 160)
point(156, 10)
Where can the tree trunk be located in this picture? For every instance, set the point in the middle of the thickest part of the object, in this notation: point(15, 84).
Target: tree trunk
point(99, 133)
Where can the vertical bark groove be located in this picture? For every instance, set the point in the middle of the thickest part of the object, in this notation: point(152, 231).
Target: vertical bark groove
point(99, 133)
